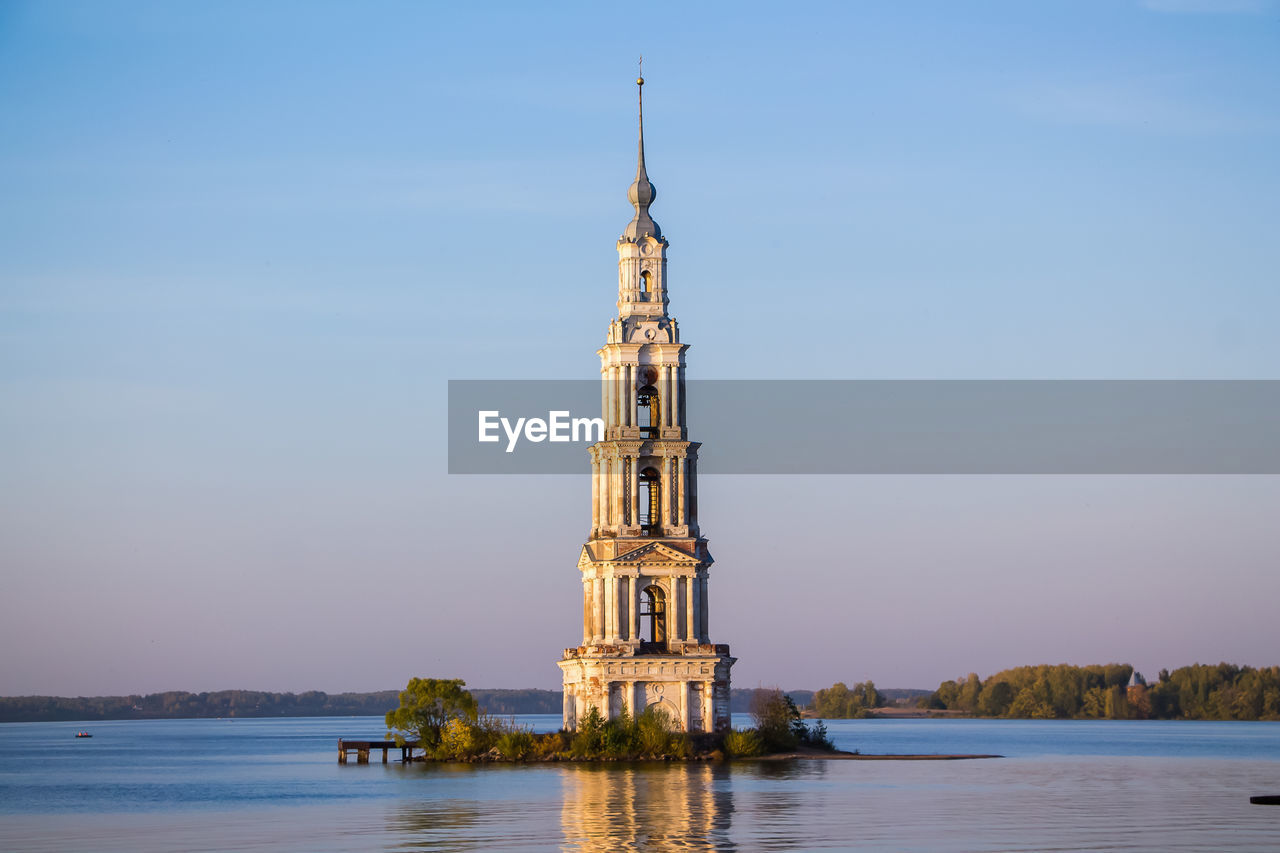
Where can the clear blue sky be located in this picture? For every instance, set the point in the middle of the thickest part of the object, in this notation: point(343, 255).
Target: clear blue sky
point(244, 245)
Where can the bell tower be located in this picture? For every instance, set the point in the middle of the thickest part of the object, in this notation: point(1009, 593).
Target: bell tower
point(645, 566)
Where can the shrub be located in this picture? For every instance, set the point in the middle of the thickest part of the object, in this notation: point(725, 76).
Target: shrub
point(656, 737)
point(515, 745)
point(653, 734)
point(679, 745)
point(488, 729)
point(742, 744)
point(550, 746)
point(620, 737)
point(457, 740)
point(817, 736)
point(588, 740)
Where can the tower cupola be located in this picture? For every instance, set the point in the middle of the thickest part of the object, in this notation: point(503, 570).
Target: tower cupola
point(642, 253)
point(642, 193)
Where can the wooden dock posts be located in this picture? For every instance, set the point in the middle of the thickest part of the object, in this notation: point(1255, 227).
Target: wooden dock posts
point(362, 747)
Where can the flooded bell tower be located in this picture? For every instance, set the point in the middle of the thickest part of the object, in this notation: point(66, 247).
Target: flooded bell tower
point(645, 567)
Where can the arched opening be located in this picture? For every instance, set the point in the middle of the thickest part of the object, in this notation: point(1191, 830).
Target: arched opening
point(650, 500)
point(653, 620)
point(665, 713)
point(644, 282)
point(647, 411)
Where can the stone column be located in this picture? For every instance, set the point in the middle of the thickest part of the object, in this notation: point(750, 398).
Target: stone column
point(587, 609)
point(704, 629)
point(615, 490)
point(682, 502)
point(677, 402)
point(624, 611)
point(610, 610)
point(610, 397)
point(618, 398)
point(623, 409)
point(665, 392)
point(597, 593)
point(664, 494)
point(632, 397)
point(634, 491)
point(595, 492)
point(690, 622)
point(602, 485)
point(606, 507)
point(637, 588)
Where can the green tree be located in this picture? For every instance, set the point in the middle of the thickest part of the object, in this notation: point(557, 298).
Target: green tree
point(868, 695)
point(969, 694)
point(1094, 704)
point(426, 707)
point(945, 695)
point(839, 701)
point(995, 699)
point(776, 718)
point(835, 701)
point(1116, 704)
point(1027, 705)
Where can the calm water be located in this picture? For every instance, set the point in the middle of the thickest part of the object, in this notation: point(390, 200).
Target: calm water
point(275, 785)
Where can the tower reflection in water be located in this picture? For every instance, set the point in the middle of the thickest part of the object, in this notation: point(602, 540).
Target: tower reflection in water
point(646, 807)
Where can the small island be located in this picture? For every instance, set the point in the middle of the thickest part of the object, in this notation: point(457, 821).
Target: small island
point(438, 720)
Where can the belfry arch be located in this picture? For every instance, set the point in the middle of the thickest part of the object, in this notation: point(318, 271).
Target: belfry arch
point(653, 619)
point(650, 501)
point(648, 411)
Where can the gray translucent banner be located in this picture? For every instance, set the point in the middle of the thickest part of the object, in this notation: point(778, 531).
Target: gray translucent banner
point(893, 427)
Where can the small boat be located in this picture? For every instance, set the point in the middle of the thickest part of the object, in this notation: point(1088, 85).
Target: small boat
point(83, 734)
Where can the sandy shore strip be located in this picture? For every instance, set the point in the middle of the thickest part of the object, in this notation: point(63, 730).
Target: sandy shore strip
point(856, 756)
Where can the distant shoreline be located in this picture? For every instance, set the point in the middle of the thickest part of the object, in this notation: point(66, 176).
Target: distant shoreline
point(898, 712)
point(258, 704)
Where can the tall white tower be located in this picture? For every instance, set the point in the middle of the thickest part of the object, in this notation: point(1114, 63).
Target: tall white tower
point(645, 567)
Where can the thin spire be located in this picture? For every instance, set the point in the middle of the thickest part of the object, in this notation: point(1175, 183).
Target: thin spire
point(640, 173)
point(642, 192)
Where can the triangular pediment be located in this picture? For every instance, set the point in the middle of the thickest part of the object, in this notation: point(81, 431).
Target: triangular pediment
point(656, 552)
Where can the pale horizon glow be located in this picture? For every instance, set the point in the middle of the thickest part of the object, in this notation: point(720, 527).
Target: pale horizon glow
point(247, 245)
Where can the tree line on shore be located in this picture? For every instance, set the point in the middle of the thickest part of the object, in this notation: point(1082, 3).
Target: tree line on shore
point(1198, 692)
point(178, 704)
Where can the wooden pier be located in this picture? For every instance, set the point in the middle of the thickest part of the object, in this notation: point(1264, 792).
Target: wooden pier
point(362, 747)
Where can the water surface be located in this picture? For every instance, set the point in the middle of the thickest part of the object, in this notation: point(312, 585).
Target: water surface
point(275, 785)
